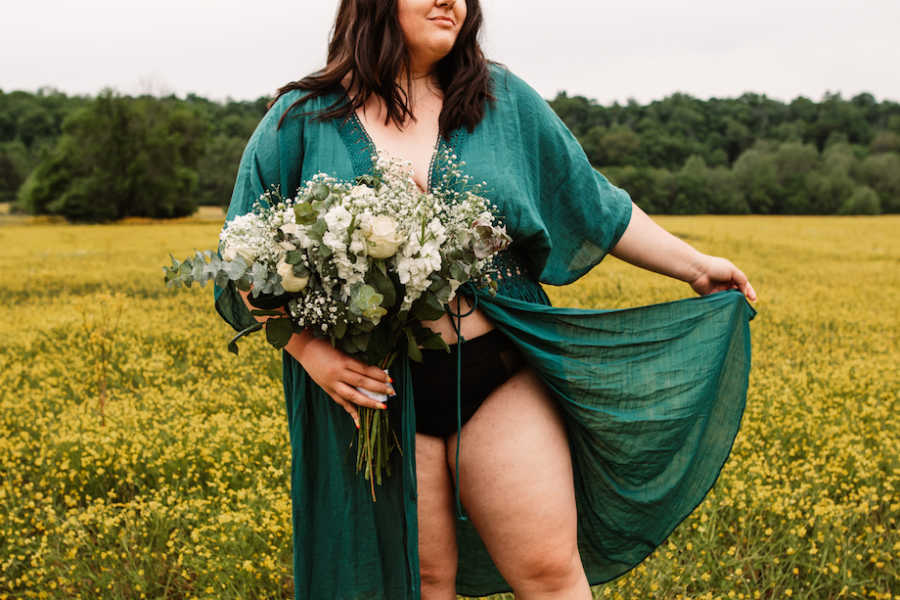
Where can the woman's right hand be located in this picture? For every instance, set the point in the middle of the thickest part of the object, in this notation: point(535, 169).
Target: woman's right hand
point(337, 373)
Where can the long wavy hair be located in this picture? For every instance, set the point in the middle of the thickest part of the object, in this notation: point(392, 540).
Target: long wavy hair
point(367, 42)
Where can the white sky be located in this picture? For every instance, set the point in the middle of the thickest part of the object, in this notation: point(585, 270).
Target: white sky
point(642, 49)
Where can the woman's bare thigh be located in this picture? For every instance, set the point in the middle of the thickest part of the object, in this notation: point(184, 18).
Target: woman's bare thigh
point(516, 478)
point(437, 528)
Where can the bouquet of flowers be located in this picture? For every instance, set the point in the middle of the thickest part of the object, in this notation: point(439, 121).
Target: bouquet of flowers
point(361, 264)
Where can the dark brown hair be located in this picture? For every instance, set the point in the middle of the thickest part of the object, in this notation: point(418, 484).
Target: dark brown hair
point(367, 42)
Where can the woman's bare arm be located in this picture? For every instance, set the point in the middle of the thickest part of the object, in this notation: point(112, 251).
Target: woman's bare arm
point(334, 371)
point(647, 245)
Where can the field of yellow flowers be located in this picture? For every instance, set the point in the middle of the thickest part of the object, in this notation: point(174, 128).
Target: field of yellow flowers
point(139, 459)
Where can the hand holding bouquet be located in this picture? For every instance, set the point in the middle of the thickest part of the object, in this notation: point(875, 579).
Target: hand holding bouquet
point(361, 264)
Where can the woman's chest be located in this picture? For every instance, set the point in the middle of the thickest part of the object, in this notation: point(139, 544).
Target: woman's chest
point(489, 156)
point(415, 142)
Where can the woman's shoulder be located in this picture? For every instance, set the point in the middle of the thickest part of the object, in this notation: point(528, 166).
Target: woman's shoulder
point(296, 104)
point(512, 89)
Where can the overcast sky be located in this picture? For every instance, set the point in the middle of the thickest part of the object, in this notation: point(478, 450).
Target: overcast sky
point(642, 49)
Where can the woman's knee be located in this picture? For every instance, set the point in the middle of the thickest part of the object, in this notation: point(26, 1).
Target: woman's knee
point(438, 569)
point(550, 571)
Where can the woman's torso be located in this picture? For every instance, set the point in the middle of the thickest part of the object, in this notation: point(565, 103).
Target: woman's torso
point(417, 142)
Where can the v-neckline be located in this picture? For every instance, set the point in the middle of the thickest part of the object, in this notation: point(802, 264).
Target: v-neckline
point(373, 149)
point(363, 151)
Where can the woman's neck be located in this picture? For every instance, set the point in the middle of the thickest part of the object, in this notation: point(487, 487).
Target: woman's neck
point(421, 84)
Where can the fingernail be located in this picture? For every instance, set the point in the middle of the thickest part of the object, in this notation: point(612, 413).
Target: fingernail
point(356, 423)
point(390, 379)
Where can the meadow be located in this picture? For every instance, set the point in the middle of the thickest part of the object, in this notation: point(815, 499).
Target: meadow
point(139, 459)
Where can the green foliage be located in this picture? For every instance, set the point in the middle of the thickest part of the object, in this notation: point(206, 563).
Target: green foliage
point(170, 155)
point(683, 155)
point(120, 157)
point(10, 178)
point(864, 201)
point(882, 173)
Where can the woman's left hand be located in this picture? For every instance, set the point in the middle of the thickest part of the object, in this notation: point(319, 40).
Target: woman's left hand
point(718, 274)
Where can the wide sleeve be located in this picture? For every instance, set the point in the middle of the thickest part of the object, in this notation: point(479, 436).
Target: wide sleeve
point(273, 156)
point(583, 215)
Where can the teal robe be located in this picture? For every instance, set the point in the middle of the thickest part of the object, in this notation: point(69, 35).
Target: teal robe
point(652, 396)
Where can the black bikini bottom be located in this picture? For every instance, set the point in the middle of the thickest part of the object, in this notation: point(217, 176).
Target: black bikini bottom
point(487, 361)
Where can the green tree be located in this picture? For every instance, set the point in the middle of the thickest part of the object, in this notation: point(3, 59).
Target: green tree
point(10, 178)
point(217, 170)
point(693, 194)
point(651, 189)
point(35, 123)
point(120, 157)
point(863, 201)
point(612, 147)
point(881, 172)
point(885, 141)
point(756, 175)
point(793, 163)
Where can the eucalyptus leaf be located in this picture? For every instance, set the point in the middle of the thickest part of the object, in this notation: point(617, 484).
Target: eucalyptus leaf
point(243, 284)
point(259, 274)
point(279, 332)
point(198, 270)
point(320, 191)
point(458, 272)
point(317, 230)
point(293, 257)
point(427, 308)
point(305, 214)
point(384, 286)
point(435, 342)
point(235, 268)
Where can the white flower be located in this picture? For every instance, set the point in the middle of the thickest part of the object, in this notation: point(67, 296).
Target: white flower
point(363, 192)
point(233, 250)
point(357, 244)
point(382, 236)
point(245, 236)
point(338, 218)
point(289, 281)
point(333, 241)
point(291, 229)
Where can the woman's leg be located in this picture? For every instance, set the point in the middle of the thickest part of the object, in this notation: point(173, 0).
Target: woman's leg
point(516, 486)
point(437, 529)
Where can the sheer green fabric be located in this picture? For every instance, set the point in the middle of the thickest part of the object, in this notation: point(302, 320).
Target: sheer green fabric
point(652, 396)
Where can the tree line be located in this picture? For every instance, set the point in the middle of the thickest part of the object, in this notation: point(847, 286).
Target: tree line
point(111, 156)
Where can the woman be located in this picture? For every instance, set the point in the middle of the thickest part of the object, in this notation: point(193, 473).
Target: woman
point(581, 452)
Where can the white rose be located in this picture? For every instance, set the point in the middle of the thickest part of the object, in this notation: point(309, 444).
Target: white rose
point(382, 236)
point(291, 228)
point(289, 281)
point(232, 251)
point(229, 254)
